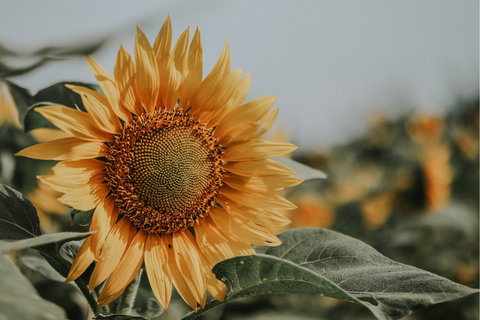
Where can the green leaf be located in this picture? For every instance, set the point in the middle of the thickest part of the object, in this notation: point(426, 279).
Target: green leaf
point(34, 120)
point(19, 299)
point(119, 317)
point(69, 250)
point(81, 217)
point(302, 171)
point(39, 264)
point(324, 262)
point(41, 240)
point(61, 95)
point(18, 216)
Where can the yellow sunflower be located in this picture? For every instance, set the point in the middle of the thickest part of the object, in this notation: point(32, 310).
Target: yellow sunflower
point(172, 166)
point(8, 108)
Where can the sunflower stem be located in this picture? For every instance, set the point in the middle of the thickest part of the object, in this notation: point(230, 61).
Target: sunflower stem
point(128, 296)
point(53, 251)
point(90, 299)
point(209, 305)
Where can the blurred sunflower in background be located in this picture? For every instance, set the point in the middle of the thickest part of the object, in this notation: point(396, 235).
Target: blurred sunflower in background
point(8, 108)
point(172, 167)
point(42, 196)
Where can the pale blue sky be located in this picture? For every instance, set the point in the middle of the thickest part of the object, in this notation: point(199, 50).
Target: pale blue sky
point(332, 64)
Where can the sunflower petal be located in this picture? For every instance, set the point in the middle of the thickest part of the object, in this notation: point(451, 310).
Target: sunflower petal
point(51, 181)
point(86, 197)
point(147, 79)
point(242, 229)
point(109, 88)
point(257, 150)
point(107, 300)
point(252, 111)
point(103, 220)
point(266, 123)
point(193, 78)
point(258, 216)
point(219, 71)
point(99, 108)
point(259, 184)
point(215, 246)
point(220, 95)
point(110, 252)
point(74, 122)
point(177, 278)
point(66, 183)
point(261, 201)
point(214, 286)
point(74, 174)
point(127, 269)
point(163, 45)
point(125, 78)
point(156, 258)
point(47, 134)
point(74, 167)
point(71, 148)
point(174, 72)
point(238, 97)
point(82, 261)
point(239, 134)
point(250, 131)
point(261, 168)
point(189, 262)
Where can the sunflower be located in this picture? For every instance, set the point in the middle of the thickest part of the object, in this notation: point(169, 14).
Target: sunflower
point(172, 166)
point(8, 108)
point(45, 200)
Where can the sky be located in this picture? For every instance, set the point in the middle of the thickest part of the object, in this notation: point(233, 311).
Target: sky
point(333, 65)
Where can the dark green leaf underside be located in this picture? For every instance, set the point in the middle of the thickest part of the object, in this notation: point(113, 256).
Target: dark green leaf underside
point(18, 216)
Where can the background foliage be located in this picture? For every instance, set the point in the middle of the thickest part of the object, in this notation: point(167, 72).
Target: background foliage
point(408, 188)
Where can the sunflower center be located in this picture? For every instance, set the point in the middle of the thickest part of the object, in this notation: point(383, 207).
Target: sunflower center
point(164, 170)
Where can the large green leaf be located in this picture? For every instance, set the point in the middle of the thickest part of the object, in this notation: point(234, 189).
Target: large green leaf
point(303, 172)
point(42, 240)
point(325, 262)
point(19, 299)
point(18, 216)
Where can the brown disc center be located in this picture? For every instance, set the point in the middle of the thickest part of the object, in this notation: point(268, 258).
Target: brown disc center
point(164, 170)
